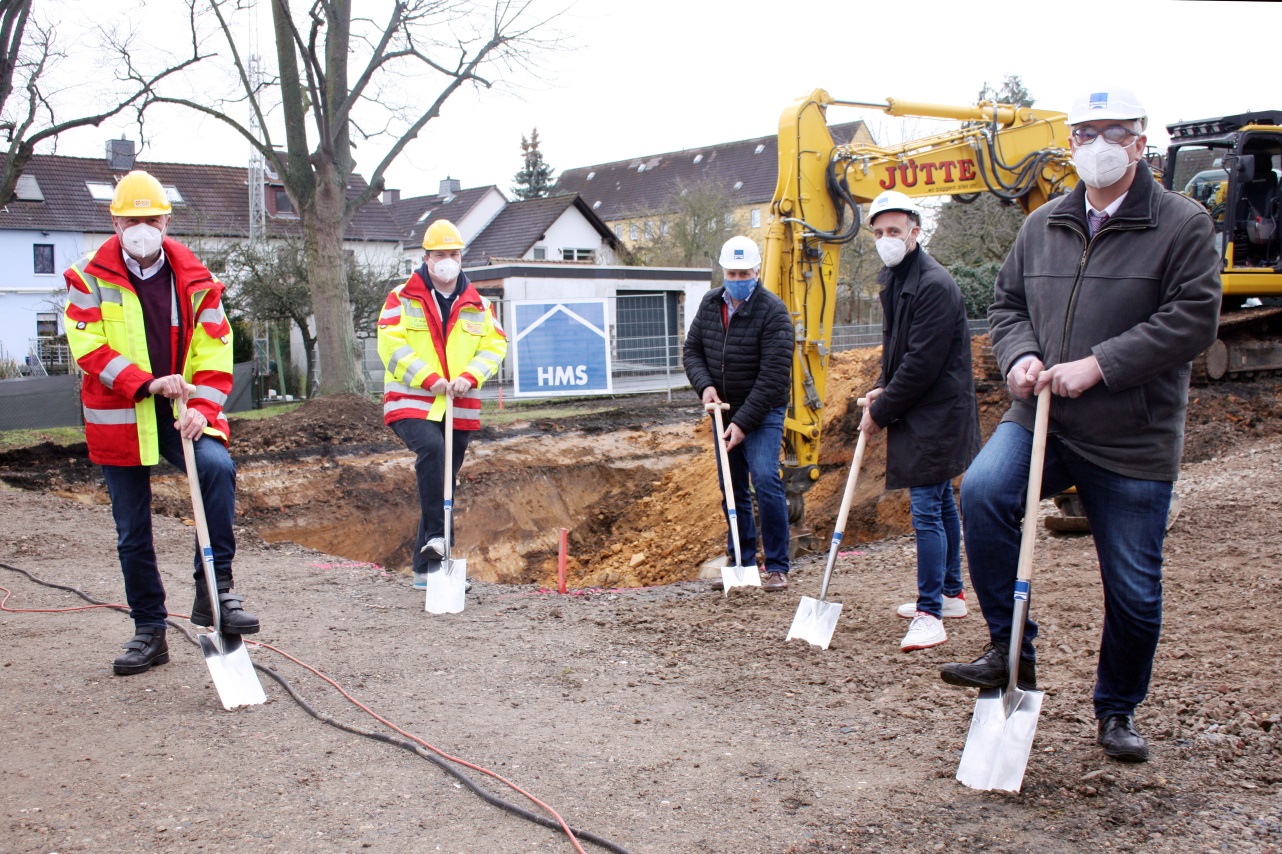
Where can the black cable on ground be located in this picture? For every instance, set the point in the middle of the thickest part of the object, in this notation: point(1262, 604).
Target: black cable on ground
point(422, 753)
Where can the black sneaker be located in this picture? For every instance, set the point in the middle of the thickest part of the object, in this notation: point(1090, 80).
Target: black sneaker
point(235, 619)
point(147, 648)
point(990, 671)
point(1119, 739)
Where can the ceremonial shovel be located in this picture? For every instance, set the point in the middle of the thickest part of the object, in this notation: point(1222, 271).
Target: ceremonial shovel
point(1001, 731)
point(447, 587)
point(816, 619)
point(737, 575)
point(228, 660)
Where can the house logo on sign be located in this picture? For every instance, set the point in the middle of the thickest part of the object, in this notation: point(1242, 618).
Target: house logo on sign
point(561, 348)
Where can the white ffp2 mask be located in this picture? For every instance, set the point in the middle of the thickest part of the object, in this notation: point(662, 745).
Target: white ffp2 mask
point(447, 269)
point(892, 250)
point(142, 240)
point(1101, 163)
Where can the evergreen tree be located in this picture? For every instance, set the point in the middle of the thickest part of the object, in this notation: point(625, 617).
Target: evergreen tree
point(534, 181)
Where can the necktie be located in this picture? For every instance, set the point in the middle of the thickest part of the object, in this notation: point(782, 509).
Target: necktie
point(1096, 220)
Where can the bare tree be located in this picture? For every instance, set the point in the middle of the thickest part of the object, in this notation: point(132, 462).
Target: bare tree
point(330, 67)
point(269, 280)
point(689, 230)
point(30, 108)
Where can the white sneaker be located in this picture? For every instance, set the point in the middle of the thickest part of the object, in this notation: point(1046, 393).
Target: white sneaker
point(420, 581)
point(924, 632)
point(434, 547)
point(954, 606)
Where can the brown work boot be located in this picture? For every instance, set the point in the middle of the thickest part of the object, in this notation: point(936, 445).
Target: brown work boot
point(775, 581)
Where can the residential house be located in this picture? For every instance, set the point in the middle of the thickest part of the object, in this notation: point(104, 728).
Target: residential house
point(60, 213)
point(470, 210)
point(632, 196)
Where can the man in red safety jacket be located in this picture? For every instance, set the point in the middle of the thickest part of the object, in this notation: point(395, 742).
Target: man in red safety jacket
point(145, 323)
point(438, 338)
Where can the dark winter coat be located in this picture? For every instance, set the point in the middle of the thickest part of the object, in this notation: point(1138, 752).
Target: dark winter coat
point(1142, 296)
point(928, 407)
point(749, 362)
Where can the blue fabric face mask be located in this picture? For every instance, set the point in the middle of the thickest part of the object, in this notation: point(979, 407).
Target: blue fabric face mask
point(740, 289)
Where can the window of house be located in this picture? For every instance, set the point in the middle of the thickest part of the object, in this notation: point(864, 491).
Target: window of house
point(43, 258)
point(618, 231)
point(663, 229)
point(649, 231)
point(729, 220)
point(632, 231)
point(409, 266)
point(173, 195)
point(46, 324)
point(540, 253)
point(576, 254)
point(283, 204)
point(756, 218)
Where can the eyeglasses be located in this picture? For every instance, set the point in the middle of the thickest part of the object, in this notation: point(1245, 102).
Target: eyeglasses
point(1085, 134)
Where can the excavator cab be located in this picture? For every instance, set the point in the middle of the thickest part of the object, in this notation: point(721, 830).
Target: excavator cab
point(1232, 165)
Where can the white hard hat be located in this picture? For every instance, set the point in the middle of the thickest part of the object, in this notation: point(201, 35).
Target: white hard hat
point(740, 253)
point(893, 200)
point(1114, 102)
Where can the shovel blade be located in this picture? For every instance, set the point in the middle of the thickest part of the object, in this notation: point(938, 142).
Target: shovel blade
point(998, 744)
point(447, 588)
point(740, 576)
point(233, 673)
point(815, 621)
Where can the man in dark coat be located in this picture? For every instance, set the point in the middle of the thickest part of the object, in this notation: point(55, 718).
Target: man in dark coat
point(739, 351)
point(925, 399)
point(1106, 297)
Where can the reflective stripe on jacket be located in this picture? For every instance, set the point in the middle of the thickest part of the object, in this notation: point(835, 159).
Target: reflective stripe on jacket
point(417, 350)
point(104, 323)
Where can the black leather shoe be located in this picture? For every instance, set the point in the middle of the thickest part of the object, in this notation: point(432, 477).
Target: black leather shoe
point(990, 671)
point(148, 647)
point(235, 619)
point(1119, 739)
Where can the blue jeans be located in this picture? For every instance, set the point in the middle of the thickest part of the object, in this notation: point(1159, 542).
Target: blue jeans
point(757, 457)
point(938, 545)
point(1128, 520)
point(130, 490)
point(427, 440)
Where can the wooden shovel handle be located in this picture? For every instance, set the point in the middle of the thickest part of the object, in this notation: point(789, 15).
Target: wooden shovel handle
point(1034, 496)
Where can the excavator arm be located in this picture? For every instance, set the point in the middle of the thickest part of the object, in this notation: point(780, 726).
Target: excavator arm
point(1017, 153)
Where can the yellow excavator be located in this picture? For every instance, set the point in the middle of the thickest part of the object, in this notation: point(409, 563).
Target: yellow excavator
point(1021, 155)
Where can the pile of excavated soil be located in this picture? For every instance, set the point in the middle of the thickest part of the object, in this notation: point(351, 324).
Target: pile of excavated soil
point(340, 420)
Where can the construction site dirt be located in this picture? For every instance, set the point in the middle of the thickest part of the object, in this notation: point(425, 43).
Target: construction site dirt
point(643, 706)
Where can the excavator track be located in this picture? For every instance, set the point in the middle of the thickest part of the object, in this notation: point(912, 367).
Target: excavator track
point(1249, 344)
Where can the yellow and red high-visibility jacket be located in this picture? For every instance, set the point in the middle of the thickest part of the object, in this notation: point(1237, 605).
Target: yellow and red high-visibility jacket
point(104, 324)
point(417, 350)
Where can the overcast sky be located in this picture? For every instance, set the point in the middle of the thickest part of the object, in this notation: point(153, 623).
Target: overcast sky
point(664, 75)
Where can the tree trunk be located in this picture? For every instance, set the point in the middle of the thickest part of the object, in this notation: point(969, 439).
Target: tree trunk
point(323, 227)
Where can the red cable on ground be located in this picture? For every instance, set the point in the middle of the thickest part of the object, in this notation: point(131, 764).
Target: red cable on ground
point(565, 827)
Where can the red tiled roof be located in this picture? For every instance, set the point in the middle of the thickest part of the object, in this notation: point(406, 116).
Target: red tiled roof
point(215, 201)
